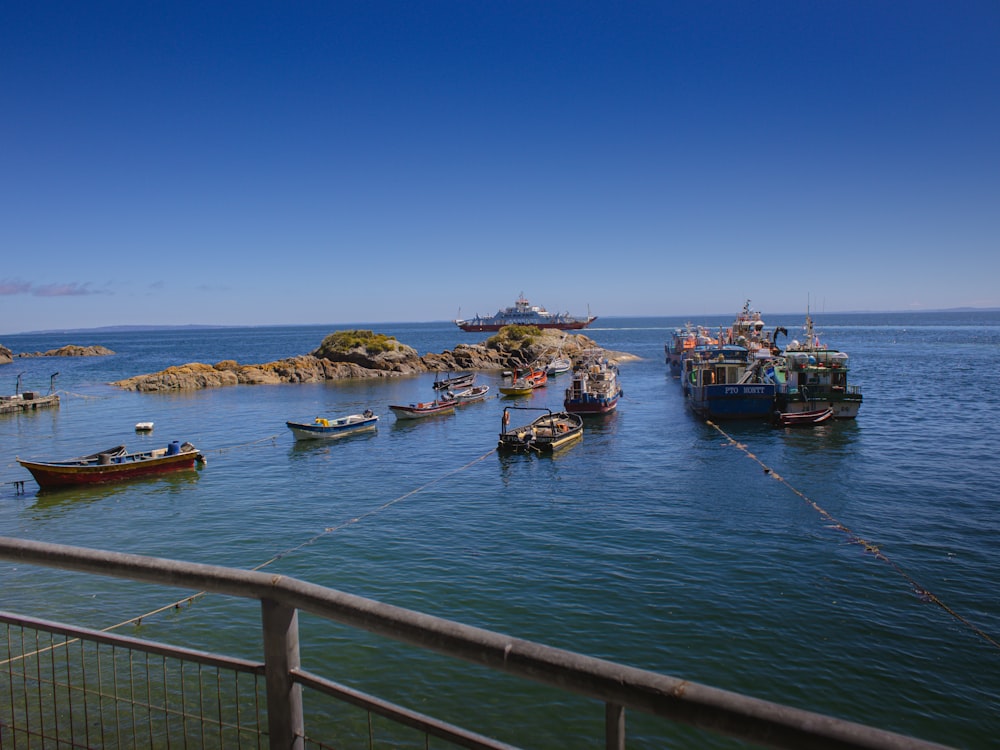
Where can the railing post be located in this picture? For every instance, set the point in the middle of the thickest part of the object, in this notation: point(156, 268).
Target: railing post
point(614, 726)
point(286, 726)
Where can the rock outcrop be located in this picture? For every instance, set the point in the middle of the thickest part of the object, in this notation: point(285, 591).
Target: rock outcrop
point(371, 351)
point(71, 351)
point(363, 354)
point(6, 355)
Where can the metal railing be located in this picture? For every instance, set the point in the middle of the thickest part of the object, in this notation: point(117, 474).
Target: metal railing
point(71, 691)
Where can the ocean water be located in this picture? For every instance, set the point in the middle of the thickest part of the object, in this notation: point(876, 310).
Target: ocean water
point(850, 569)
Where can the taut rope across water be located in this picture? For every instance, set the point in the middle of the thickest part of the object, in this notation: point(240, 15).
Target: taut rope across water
point(854, 538)
point(328, 530)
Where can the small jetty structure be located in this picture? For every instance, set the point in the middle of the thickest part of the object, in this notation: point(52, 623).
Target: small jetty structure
point(29, 400)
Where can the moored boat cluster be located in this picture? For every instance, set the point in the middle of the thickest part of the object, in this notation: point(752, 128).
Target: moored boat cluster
point(742, 373)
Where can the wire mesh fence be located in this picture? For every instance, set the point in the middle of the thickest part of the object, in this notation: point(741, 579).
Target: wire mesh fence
point(72, 692)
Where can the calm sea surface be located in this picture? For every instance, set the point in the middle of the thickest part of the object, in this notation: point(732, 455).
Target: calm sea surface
point(655, 542)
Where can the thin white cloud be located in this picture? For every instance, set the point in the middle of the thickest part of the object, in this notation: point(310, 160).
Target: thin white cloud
point(10, 287)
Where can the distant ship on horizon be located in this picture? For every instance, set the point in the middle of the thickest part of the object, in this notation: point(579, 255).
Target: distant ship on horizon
point(523, 313)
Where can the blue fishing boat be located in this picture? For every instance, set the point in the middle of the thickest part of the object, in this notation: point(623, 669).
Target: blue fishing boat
point(329, 428)
point(727, 382)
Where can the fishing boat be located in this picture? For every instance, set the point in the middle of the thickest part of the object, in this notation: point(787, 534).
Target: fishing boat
point(810, 377)
point(470, 395)
point(322, 427)
point(517, 388)
point(112, 465)
point(424, 409)
point(749, 330)
point(803, 418)
point(595, 388)
point(726, 382)
point(523, 313)
point(682, 341)
point(545, 434)
point(453, 382)
point(523, 382)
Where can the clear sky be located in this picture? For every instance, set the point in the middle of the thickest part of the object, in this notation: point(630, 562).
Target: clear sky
point(256, 163)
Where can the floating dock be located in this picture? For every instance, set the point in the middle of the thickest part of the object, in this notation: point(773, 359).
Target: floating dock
point(27, 401)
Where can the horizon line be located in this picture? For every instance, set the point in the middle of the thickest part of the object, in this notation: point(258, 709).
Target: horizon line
point(206, 326)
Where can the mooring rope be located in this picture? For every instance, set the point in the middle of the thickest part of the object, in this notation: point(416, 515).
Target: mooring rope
point(226, 448)
point(82, 395)
point(137, 620)
point(922, 592)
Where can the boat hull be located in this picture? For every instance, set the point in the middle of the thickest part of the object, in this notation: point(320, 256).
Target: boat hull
point(516, 390)
point(50, 475)
point(334, 429)
point(732, 401)
point(419, 411)
point(591, 406)
point(485, 327)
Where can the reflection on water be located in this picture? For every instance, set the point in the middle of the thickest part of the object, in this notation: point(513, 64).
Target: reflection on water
point(53, 502)
point(326, 444)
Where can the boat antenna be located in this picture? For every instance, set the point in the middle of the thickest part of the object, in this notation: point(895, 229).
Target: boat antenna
point(52, 381)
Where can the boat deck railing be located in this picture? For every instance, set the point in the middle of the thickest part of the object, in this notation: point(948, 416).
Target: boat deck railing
point(63, 685)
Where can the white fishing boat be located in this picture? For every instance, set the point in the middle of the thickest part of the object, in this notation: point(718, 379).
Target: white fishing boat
point(322, 427)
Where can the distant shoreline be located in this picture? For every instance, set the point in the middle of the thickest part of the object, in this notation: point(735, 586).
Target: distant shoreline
point(368, 324)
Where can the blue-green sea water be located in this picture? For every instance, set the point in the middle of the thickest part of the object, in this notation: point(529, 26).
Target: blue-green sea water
point(655, 542)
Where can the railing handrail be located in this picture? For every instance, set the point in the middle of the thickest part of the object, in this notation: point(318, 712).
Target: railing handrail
point(679, 700)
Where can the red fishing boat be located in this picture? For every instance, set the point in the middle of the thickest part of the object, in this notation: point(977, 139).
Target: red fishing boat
point(112, 465)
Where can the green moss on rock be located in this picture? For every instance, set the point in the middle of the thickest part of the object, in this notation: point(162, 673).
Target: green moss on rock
point(342, 342)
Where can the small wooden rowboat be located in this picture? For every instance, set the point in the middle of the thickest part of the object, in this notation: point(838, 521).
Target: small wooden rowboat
point(546, 434)
point(424, 409)
point(803, 418)
point(330, 428)
point(454, 382)
point(112, 465)
point(470, 395)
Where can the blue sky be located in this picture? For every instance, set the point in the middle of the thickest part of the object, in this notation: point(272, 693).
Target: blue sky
point(262, 163)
